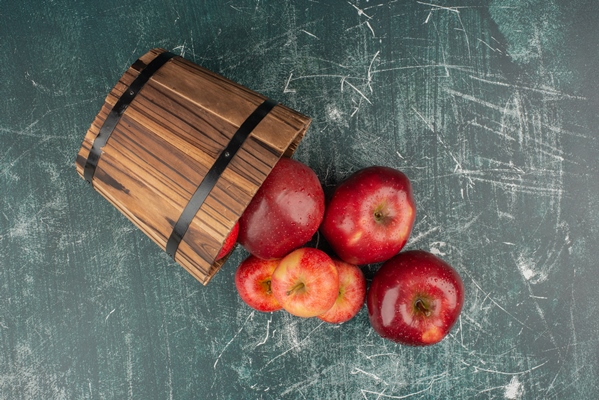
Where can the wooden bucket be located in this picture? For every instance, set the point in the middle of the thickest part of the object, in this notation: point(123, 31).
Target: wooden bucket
point(181, 151)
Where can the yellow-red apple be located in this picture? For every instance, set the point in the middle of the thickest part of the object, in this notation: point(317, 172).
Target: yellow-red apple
point(253, 283)
point(352, 292)
point(306, 282)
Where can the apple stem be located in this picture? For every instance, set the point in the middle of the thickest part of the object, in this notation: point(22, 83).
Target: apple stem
point(421, 306)
point(379, 216)
point(268, 287)
point(295, 289)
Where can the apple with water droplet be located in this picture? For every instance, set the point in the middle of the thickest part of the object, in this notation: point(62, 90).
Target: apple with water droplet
point(352, 292)
point(229, 242)
point(370, 215)
point(285, 212)
point(415, 298)
point(253, 283)
point(306, 282)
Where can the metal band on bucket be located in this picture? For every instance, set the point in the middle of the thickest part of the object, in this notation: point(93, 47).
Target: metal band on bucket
point(203, 190)
point(117, 111)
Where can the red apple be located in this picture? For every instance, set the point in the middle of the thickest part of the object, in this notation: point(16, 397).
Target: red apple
point(415, 298)
point(253, 283)
point(285, 212)
point(306, 282)
point(352, 292)
point(230, 241)
point(370, 215)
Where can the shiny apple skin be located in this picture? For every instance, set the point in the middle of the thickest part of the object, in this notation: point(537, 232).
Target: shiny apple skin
point(285, 212)
point(229, 242)
point(306, 282)
point(403, 281)
point(253, 283)
point(370, 215)
point(352, 294)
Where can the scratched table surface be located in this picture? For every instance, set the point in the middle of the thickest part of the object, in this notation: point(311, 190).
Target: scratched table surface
point(489, 106)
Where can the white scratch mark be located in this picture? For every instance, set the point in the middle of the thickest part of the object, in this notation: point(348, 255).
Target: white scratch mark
point(537, 297)
point(477, 369)
point(503, 214)
point(468, 224)
point(428, 17)
point(309, 34)
point(445, 66)
point(128, 340)
point(526, 267)
point(8, 166)
point(514, 389)
point(461, 332)
point(181, 49)
point(371, 30)
point(357, 370)
point(267, 332)
point(360, 11)
point(438, 7)
point(465, 34)
point(335, 115)
point(435, 248)
point(357, 90)
point(428, 124)
point(490, 105)
point(500, 307)
point(488, 45)
point(369, 73)
point(498, 132)
point(109, 314)
point(552, 385)
point(546, 91)
point(233, 338)
point(193, 50)
point(418, 237)
point(286, 89)
point(458, 164)
point(514, 187)
point(370, 357)
point(309, 381)
point(294, 346)
point(320, 76)
point(386, 396)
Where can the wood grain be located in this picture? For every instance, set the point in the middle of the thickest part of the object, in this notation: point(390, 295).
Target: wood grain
point(167, 140)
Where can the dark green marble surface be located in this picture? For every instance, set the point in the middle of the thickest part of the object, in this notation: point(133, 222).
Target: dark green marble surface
point(490, 107)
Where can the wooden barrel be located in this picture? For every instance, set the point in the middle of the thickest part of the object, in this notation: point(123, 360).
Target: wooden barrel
point(181, 151)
